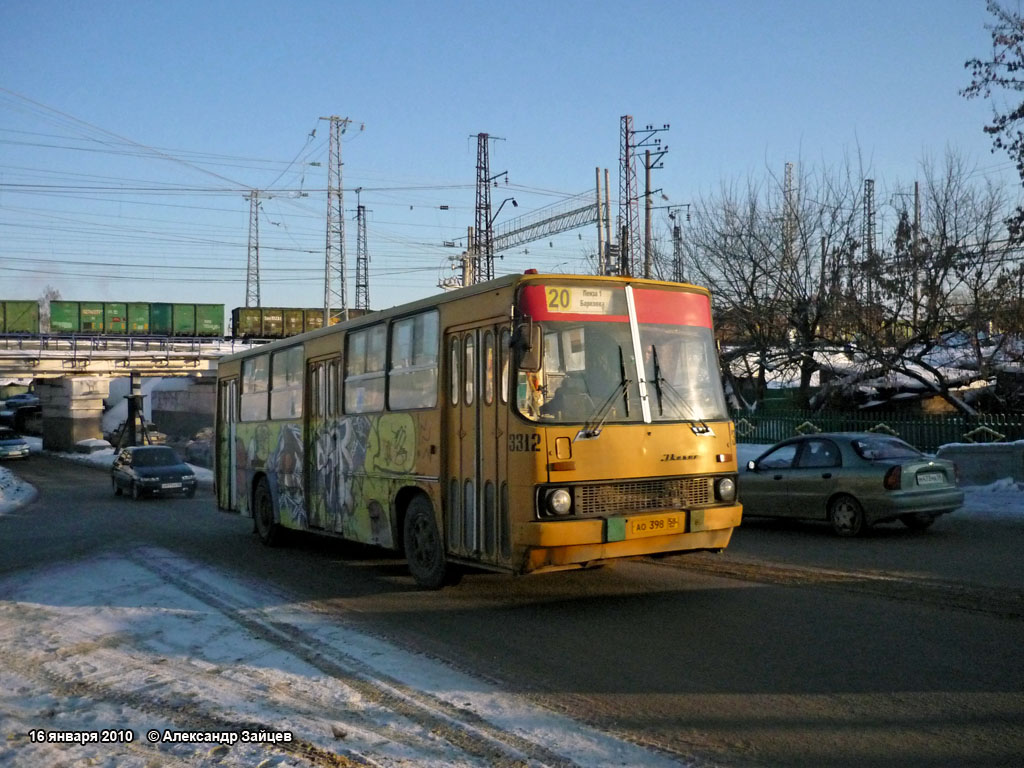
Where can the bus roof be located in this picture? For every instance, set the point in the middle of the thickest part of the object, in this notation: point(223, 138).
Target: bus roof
point(444, 298)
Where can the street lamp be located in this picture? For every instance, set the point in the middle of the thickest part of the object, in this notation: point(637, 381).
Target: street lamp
point(489, 239)
point(514, 205)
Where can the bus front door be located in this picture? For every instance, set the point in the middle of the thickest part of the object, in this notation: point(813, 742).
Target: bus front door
point(478, 423)
point(226, 456)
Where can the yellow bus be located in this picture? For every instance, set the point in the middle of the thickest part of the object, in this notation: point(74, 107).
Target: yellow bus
point(532, 423)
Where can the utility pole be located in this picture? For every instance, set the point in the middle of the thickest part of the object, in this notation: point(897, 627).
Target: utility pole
point(600, 224)
point(652, 161)
point(611, 257)
point(335, 290)
point(915, 251)
point(678, 260)
point(252, 270)
point(483, 259)
point(629, 215)
point(362, 258)
point(869, 236)
point(788, 221)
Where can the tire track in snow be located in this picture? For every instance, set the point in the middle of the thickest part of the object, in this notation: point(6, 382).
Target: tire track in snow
point(463, 729)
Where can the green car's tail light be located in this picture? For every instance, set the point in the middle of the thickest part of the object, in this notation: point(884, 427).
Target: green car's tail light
point(893, 478)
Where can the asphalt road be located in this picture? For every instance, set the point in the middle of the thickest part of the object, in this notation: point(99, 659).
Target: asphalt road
point(793, 648)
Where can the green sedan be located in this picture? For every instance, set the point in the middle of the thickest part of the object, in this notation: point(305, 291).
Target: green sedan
point(851, 479)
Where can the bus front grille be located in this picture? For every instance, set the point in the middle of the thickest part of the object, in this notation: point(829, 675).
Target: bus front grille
point(643, 495)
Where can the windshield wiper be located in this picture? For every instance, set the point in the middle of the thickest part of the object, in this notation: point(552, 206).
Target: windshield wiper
point(593, 426)
point(657, 379)
point(663, 385)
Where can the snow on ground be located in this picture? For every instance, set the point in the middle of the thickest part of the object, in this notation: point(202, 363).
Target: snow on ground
point(154, 644)
point(148, 645)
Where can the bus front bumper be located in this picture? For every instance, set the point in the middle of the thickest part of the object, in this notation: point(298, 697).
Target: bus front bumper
point(566, 543)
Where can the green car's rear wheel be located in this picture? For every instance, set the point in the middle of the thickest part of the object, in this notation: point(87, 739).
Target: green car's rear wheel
point(846, 516)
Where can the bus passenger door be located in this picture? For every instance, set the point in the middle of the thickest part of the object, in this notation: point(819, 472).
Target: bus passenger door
point(226, 456)
point(314, 413)
point(477, 422)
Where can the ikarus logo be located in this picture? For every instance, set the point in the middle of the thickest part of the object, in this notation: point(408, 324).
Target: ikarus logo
point(678, 457)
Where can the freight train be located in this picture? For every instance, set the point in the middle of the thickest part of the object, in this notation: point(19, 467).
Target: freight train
point(106, 318)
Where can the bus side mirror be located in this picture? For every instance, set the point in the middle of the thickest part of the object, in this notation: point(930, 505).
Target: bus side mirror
point(751, 466)
point(528, 343)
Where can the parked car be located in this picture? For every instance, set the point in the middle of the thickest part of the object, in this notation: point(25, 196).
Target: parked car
point(851, 479)
point(17, 401)
point(12, 445)
point(152, 470)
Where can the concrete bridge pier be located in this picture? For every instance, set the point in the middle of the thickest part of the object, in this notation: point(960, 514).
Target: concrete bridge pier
point(72, 410)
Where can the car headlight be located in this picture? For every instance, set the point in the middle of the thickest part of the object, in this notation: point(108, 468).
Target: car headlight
point(559, 501)
point(725, 489)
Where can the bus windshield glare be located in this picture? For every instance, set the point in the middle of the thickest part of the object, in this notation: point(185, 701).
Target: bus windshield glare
point(590, 370)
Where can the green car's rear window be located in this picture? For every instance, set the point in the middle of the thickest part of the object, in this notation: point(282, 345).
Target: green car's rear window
point(875, 448)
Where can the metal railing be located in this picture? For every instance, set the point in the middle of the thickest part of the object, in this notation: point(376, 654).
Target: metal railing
point(925, 432)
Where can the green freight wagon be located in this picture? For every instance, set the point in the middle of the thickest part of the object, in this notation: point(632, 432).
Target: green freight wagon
point(209, 319)
point(64, 317)
point(19, 317)
point(160, 319)
point(115, 318)
point(184, 319)
point(138, 318)
point(90, 316)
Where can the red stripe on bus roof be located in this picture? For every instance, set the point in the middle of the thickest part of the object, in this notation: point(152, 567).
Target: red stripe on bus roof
point(659, 307)
point(672, 307)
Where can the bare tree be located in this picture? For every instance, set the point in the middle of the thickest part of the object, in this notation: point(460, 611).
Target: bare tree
point(937, 285)
point(49, 294)
point(1003, 72)
point(775, 259)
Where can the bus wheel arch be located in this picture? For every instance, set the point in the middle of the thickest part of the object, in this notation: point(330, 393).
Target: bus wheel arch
point(263, 513)
point(423, 543)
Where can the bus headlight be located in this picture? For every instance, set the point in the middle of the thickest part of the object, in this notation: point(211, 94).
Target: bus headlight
point(725, 489)
point(559, 501)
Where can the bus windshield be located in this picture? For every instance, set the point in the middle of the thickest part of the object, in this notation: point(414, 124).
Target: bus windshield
point(589, 371)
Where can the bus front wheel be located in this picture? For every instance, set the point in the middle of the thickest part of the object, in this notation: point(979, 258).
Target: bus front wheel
point(424, 549)
point(263, 514)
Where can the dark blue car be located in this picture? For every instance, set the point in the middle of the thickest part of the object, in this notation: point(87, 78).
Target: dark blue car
point(152, 470)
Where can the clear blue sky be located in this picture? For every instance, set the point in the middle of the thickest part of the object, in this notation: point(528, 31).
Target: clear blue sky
point(183, 105)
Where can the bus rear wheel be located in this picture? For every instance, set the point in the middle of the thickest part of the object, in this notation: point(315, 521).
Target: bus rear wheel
point(263, 514)
point(424, 549)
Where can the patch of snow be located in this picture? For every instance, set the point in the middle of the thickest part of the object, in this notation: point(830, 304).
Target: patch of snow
point(153, 643)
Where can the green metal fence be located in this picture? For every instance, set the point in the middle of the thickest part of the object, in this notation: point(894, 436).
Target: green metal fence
point(925, 432)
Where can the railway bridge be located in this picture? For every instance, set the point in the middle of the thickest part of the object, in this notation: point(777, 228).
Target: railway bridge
point(72, 374)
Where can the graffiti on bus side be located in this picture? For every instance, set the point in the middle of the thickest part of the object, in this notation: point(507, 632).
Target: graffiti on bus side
point(355, 463)
point(274, 449)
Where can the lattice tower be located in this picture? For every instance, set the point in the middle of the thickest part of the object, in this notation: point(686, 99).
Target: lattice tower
point(335, 290)
point(252, 271)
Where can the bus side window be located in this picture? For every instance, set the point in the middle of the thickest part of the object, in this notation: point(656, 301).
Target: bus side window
point(469, 370)
point(255, 388)
point(456, 379)
point(286, 383)
point(487, 360)
point(364, 370)
point(504, 350)
point(412, 377)
point(333, 388)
